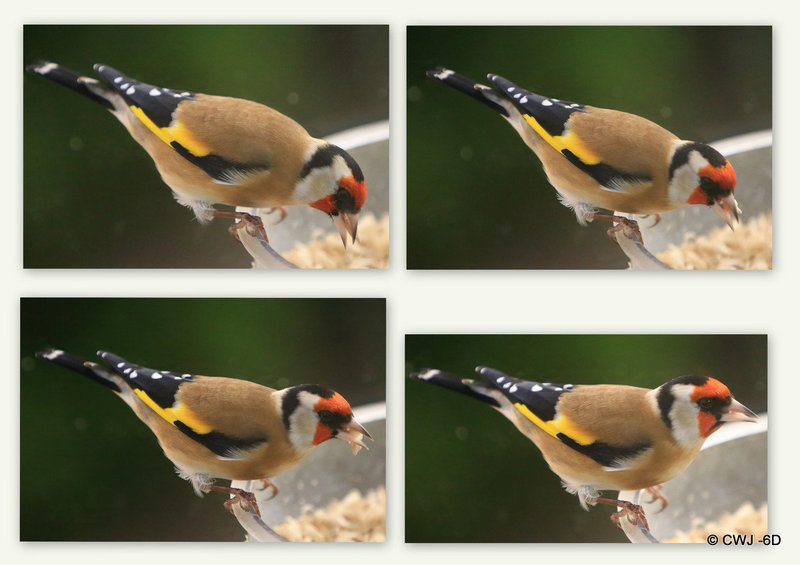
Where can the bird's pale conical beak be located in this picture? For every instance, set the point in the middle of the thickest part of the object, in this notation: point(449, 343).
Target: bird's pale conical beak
point(353, 433)
point(346, 223)
point(727, 208)
point(738, 412)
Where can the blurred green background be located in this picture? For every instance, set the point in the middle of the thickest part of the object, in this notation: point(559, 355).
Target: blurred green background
point(90, 470)
point(92, 196)
point(472, 477)
point(478, 197)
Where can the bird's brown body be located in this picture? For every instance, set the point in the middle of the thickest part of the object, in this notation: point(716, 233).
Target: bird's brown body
point(634, 144)
point(222, 401)
point(616, 415)
point(239, 131)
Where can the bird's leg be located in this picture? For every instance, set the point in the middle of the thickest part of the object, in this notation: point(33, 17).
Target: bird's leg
point(655, 492)
point(281, 210)
point(629, 227)
point(247, 500)
point(633, 512)
point(266, 483)
point(253, 224)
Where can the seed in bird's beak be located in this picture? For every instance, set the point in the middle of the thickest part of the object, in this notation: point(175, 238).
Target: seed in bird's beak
point(353, 432)
point(727, 208)
point(738, 412)
point(346, 223)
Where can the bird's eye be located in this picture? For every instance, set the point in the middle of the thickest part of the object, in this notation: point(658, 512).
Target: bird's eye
point(344, 201)
point(705, 404)
point(326, 416)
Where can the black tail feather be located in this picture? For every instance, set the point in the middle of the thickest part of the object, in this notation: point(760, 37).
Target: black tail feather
point(68, 78)
point(458, 384)
point(77, 364)
point(467, 86)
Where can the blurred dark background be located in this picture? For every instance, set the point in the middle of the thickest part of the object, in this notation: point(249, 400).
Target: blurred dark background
point(90, 470)
point(478, 197)
point(93, 197)
point(472, 477)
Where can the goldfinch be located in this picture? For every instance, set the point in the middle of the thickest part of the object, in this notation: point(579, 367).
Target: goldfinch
point(219, 150)
point(598, 158)
point(599, 437)
point(218, 427)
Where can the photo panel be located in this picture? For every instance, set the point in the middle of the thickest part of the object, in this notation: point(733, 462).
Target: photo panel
point(668, 126)
point(608, 416)
point(226, 118)
point(91, 471)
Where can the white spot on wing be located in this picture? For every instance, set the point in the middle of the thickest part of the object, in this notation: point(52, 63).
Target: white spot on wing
point(156, 376)
point(131, 90)
point(536, 388)
point(546, 102)
point(443, 74)
point(118, 80)
point(155, 92)
point(524, 100)
point(513, 389)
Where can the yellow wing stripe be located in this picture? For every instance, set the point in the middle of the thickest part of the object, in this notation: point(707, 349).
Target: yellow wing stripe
point(561, 425)
point(176, 132)
point(175, 412)
point(569, 141)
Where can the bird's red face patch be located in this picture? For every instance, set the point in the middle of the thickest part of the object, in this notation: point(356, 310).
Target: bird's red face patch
point(339, 409)
point(712, 389)
point(724, 176)
point(326, 204)
point(358, 190)
point(715, 183)
point(708, 423)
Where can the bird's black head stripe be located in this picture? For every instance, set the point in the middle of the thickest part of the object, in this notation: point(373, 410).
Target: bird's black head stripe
point(324, 156)
point(681, 156)
point(665, 398)
point(291, 399)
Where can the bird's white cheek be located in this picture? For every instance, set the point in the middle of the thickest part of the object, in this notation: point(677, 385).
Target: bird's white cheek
point(302, 431)
point(683, 183)
point(685, 178)
point(312, 187)
point(685, 424)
